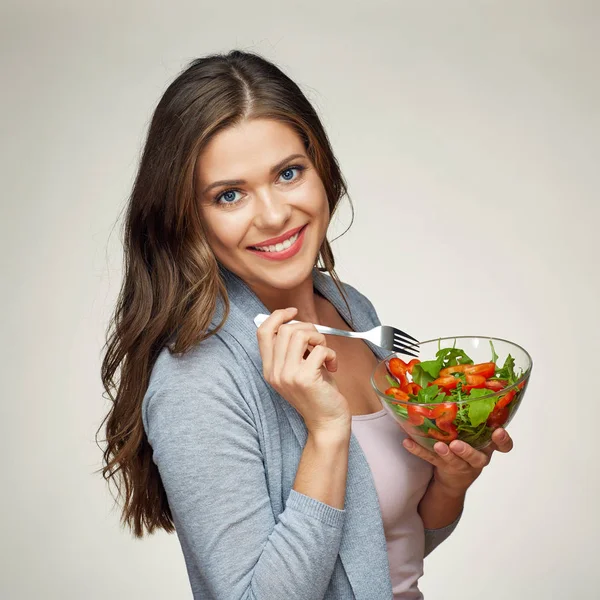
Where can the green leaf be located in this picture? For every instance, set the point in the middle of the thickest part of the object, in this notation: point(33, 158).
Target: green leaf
point(421, 377)
point(392, 381)
point(480, 410)
point(494, 355)
point(450, 357)
point(400, 409)
point(427, 395)
point(431, 367)
point(508, 370)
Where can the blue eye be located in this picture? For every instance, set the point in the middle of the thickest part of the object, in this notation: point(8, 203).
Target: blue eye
point(227, 197)
point(288, 174)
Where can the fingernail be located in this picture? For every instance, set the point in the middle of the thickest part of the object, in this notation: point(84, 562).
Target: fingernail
point(502, 435)
point(459, 447)
point(441, 449)
point(409, 444)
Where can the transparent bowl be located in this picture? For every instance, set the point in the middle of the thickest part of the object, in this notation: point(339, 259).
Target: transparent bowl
point(466, 418)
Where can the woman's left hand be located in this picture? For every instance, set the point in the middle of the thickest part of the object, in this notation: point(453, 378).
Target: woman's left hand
point(457, 465)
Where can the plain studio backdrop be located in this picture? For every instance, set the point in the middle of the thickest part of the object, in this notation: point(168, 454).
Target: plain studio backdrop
point(468, 132)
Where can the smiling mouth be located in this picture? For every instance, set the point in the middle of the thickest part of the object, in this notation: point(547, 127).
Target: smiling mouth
point(279, 247)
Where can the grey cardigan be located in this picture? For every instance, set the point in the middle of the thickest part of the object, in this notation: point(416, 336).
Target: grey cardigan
point(227, 447)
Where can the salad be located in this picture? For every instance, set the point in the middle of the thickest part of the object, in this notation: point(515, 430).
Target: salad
point(463, 396)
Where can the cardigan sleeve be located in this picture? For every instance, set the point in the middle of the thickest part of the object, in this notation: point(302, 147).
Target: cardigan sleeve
point(206, 447)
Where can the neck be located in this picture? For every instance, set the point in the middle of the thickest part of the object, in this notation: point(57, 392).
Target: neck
point(303, 297)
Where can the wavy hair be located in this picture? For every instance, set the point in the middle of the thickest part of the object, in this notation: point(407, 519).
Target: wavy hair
point(171, 282)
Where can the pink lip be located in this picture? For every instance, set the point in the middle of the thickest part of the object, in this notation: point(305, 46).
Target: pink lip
point(279, 238)
point(284, 254)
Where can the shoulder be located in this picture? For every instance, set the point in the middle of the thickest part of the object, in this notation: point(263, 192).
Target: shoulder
point(357, 298)
point(211, 377)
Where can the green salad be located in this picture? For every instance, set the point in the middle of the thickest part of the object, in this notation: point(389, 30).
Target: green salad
point(450, 397)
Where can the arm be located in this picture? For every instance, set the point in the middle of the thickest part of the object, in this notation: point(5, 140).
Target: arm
point(440, 512)
point(206, 447)
point(456, 467)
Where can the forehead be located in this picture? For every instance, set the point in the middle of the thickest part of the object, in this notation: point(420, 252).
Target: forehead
point(249, 147)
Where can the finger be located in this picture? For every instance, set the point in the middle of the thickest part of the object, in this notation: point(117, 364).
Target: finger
point(266, 335)
point(451, 459)
point(282, 342)
point(300, 342)
point(418, 450)
point(474, 458)
point(502, 440)
point(321, 356)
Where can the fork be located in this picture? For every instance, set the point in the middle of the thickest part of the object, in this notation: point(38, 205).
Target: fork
point(383, 336)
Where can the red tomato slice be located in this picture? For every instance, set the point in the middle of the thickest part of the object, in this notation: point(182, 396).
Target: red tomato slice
point(449, 370)
point(495, 384)
point(448, 382)
point(398, 368)
point(505, 400)
point(485, 369)
point(443, 436)
point(474, 382)
point(417, 414)
point(397, 394)
point(444, 413)
point(498, 417)
point(412, 388)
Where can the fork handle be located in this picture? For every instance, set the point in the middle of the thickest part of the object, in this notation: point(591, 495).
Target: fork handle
point(260, 319)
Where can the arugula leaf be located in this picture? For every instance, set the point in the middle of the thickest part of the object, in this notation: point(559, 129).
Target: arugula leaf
point(400, 409)
point(422, 377)
point(508, 370)
point(427, 425)
point(431, 367)
point(392, 381)
point(450, 357)
point(480, 410)
point(427, 395)
point(494, 355)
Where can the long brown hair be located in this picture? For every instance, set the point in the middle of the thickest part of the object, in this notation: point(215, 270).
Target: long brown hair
point(171, 282)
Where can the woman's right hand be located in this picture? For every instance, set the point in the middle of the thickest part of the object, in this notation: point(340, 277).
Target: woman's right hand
point(306, 383)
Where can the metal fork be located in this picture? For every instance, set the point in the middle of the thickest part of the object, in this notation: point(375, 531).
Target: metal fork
point(383, 336)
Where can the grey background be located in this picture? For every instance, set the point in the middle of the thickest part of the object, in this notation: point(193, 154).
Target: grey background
point(468, 132)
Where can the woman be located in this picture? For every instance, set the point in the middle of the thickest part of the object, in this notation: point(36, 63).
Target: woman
point(265, 449)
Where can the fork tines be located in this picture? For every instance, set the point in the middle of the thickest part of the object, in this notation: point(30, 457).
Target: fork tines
point(405, 344)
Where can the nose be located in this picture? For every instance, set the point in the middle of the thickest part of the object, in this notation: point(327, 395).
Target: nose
point(272, 212)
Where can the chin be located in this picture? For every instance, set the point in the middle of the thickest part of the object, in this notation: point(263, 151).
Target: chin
point(279, 276)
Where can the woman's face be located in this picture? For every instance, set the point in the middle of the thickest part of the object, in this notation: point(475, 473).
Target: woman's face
point(263, 204)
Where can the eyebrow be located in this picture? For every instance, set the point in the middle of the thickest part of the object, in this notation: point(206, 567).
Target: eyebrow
point(231, 182)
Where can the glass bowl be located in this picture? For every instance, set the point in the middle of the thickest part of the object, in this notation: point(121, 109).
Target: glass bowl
point(480, 389)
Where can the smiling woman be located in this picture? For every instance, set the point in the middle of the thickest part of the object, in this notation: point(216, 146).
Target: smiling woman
point(273, 188)
point(266, 450)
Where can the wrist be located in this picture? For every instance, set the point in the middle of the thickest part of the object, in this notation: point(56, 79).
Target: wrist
point(442, 489)
point(333, 433)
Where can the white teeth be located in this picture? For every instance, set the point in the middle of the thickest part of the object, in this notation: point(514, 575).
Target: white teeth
point(279, 247)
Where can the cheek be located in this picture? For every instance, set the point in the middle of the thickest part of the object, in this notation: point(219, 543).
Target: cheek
point(226, 231)
point(313, 199)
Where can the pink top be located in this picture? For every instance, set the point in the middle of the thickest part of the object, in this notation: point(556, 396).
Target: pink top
point(400, 480)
